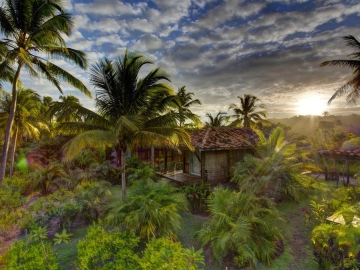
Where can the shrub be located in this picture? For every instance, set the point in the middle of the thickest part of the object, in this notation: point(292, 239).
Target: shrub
point(240, 227)
point(28, 254)
point(101, 249)
point(151, 209)
point(163, 254)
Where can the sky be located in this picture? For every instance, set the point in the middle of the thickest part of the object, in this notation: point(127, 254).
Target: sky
point(221, 50)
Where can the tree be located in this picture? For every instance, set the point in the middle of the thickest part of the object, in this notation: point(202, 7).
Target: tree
point(26, 122)
point(240, 226)
point(249, 113)
point(184, 102)
point(325, 113)
point(220, 120)
point(352, 86)
point(276, 169)
point(33, 28)
point(125, 106)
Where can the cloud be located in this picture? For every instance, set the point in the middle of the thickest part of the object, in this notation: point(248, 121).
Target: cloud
point(108, 8)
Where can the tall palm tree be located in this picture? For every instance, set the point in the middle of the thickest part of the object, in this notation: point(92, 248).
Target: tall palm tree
point(351, 87)
point(125, 106)
point(32, 29)
point(26, 122)
point(250, 111)
point(184, 102)
point(220, 120)
point(57, 110)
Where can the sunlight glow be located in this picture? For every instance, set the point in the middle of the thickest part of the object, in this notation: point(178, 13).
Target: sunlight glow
point(311, 106)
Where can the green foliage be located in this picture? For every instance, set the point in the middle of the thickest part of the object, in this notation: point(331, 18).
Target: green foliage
point(276, 170)
point(151, 209)
point(63, 237)
point(196, 195)
point(87, 158)
point(101, 249)
point(11, 211)
point(336, 245)
point(240, 227)
point(164, 254)
point(44, 178)
point(319, 211)
point(27, 254)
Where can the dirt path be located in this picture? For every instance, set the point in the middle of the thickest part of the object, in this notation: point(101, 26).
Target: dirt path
point(298, 239)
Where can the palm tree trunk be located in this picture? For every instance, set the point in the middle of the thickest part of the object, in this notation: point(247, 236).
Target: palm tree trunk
point(152, 157)
point(123, 176)
point(12, 156)
point(9, 124)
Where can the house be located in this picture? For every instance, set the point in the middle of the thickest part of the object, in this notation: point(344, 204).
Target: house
point(217, 149)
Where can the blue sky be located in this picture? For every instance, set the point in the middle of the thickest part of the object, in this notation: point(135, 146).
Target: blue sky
point(223, 49)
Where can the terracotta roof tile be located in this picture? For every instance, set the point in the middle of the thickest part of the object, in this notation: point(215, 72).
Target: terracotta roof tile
point(213, 138)
point(355, 153)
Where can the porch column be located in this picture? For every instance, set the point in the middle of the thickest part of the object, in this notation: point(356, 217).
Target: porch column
point(202, 164)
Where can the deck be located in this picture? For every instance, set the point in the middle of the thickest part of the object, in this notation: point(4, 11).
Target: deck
point(181, 178)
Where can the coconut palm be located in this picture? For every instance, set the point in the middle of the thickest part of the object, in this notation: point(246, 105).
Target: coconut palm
point(351, 87)
point(57, 110)
point(182, 108)
point(220, 120)
point(124, 119)
point(32, 29)
point(250, 111)
point(240, 226)
point(26, 122)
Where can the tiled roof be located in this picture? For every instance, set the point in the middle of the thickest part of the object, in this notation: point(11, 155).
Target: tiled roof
point(215, 138)
point(338, 153)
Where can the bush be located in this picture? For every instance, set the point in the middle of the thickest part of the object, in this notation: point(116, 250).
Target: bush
point(101, 249)
point(27, 255)
point(163, 254)
point(151, 209)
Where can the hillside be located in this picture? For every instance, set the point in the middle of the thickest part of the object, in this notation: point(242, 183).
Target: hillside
point(307, 124)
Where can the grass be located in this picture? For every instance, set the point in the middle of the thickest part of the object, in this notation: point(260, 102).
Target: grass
point(296, 229)
point(67, 252)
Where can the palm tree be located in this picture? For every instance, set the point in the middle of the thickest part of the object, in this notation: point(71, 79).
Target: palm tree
point(26, 121)
point(33, 28)
point(240, 226)
point(57, 110)
point(250, 111)
point(124, 119)
point(184, 102)
point(152, 210)
point(351, 87)
point(220, 120)
point(276, 169)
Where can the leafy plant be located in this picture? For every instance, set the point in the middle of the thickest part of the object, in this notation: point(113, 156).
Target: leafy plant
point(240, 227)
point(27, 254)
point(102, 249)
point(319, 211)
point(197, 194)
point(152, 209)
point(336, 245)
point(63, 237)
point(164, 254)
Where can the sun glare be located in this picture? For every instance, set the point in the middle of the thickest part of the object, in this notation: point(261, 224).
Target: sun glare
point(311, 106)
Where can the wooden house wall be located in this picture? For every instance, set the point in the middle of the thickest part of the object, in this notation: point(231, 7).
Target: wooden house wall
point(219, 165)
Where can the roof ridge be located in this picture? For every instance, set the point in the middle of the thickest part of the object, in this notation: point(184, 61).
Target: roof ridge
point(205, 137)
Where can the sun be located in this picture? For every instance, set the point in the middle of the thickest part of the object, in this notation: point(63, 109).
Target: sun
point(311, 106)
